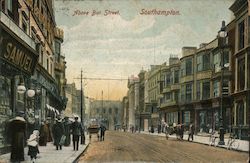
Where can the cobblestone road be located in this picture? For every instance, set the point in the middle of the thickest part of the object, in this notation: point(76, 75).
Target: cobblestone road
point(120, 146)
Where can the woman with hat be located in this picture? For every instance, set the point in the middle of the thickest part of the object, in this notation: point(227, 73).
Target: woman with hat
point(58, 132)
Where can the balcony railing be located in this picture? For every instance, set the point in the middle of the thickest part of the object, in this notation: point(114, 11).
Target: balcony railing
point(17, 30)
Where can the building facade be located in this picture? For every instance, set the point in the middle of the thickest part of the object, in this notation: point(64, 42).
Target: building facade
point(241, 55)
point(107, 112)
point(27, 60)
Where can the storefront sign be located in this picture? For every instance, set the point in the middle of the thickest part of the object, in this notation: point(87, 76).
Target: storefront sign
point(17, 54)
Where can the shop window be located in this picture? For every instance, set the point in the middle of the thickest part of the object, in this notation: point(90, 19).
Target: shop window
point(189, 66)
point(216, 88)
point(198, 90)
point(241, 31)
point(241, 74)
point(189, 92)
point(240, 113)
point(205, 90)
point(5, 86)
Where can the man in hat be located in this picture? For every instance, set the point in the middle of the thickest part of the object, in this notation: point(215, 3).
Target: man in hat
point(76, 128)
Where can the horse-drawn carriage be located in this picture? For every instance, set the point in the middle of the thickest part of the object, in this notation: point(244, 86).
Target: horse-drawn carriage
point(93, 128)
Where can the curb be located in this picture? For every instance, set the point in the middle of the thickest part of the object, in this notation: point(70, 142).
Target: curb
point(203, 143)
point(76, 159)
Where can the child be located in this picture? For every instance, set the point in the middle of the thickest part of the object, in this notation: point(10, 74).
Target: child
point(33, 145)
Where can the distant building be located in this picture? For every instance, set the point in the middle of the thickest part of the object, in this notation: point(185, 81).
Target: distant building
point(107, 112)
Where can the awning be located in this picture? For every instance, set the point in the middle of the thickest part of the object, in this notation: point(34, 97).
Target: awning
point(56, 112)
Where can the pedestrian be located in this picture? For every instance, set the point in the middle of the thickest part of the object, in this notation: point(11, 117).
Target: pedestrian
point(76, 128)
point(191, 132)
point(44, 133)
point(103, 129)
point(33, 145)
point(181, 131)
point(58, 132)
point(152, 129)
point(18, 134)
point(167, 131)
point(67, 125)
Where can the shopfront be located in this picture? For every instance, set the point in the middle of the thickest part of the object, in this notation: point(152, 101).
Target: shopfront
point(17, 64)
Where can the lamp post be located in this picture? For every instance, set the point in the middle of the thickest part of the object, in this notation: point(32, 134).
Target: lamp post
point(222, 34)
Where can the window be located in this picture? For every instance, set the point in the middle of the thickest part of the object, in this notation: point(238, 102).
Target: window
point(182, 93)
point(5, 89)
point(97, 110)
point(168, 79)
point(199, 63)
point(187, 117)
point(205, 90)
point(189, 92)
point(24, 26)
point(248, 30)
point(226, 57)
point(51, 68)
point(57, 47)
point(240, 113)
point(41, 57)
point(225, 88)
point(104, 110)
point(168, 96)
point(198, 90)
point(3, 5)
point(206, 61)
point(216, 88)
point(241, 74)
point(176, 76)
point(176, 96)
point(216, 60)
point(9, 5)
point(110, 111)
point(241, 30)
point(182, 69)
point(189, 66)
point(47, 64)
point(116, 110)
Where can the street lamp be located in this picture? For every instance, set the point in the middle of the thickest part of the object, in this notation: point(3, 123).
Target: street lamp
point(222, 34)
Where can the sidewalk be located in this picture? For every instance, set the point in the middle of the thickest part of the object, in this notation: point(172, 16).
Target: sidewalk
point(49, 154)
point(204, 139)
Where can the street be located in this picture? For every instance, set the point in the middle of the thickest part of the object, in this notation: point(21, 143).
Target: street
point(124, 146)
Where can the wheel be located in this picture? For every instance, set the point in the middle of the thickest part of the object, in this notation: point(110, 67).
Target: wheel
point(235, 145)
point(216, 141)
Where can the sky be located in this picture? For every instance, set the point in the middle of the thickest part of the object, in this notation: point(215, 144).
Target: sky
point(121, 44)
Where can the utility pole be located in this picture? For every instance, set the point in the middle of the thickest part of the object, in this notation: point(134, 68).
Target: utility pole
point(81, 100)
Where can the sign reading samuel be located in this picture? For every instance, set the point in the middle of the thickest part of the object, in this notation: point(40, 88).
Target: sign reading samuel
point(17, 54)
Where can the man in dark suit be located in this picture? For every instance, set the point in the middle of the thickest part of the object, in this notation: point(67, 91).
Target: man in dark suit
point(76, 132)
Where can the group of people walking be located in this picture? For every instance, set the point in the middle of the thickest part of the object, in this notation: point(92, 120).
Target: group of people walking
point(179, 131)
point(59, 133)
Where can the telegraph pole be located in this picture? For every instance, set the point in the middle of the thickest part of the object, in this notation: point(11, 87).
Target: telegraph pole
point(83, 134)
point(81, 100)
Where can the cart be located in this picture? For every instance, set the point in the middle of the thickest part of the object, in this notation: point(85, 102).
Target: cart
point(93, 129)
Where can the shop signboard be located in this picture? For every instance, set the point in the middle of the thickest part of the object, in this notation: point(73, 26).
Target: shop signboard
point(17, 54)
